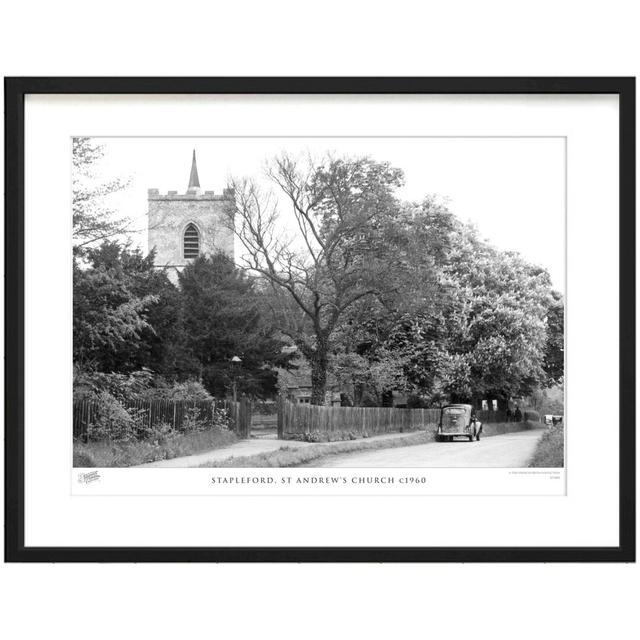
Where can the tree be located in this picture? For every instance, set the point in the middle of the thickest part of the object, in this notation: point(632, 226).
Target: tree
point(338, 256)
point(108, 317)
point(222, 317)
point(478, 327)
point(497, 319)
point(157, 344)
point(398, 332)
point(93, 219)
point(554, 348)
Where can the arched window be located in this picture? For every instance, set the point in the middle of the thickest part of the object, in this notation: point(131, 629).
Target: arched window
point(191, 242)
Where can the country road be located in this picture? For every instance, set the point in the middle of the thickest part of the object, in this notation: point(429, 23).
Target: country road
point(509, 450)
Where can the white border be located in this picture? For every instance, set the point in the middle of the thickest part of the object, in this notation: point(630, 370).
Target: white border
point(587, 516)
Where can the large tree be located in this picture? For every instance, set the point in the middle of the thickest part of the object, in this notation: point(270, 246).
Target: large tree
point(223, 316)
point(337, 255)
point(108, 317)
point(126, 312)
point(486, 325)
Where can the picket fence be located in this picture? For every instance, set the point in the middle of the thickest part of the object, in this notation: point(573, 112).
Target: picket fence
point(175, 413)
point(295, 419)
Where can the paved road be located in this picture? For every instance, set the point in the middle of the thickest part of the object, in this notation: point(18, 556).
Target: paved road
point(509, 450)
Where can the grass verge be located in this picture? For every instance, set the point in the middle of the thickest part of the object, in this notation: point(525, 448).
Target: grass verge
point(128, 454)
point(288, 456)
point(550, 449)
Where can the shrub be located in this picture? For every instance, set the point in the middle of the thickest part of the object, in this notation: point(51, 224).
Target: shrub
point(190, 391)
point(88, 385)
point(156, 433)
point(531, 416)
point(550, 449)
point(265, 407)
point(82, 458)
point(167, 444)
point(113, 421)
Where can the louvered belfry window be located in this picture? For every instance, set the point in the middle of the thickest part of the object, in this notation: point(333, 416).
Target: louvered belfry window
point(191, 242)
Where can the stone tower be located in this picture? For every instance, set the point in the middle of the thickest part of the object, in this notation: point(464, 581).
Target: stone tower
point(183, 226)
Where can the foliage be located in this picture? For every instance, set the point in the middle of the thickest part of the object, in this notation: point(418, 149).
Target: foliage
point(339, 256)
point(165, 445)
point(264, 408)
point(114, 422)
point(135, 333)
point(106, 317)
point(191, 390)
point(554, 349)
point(126, 312)
point(309, 455)
point(550, 450)
point(549, 401)
point(223, 317)
point(137, 385)
point(93, 219)
point(381, 294)
point(481, 325)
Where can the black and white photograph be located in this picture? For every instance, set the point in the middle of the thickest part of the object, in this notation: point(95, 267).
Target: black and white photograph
point(354, 302)
point(385, 317)
point(320, 320)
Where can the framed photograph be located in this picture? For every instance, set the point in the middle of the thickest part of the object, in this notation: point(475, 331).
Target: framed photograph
point(320, 319)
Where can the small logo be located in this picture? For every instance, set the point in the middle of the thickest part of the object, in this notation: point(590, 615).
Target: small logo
point(90, 476)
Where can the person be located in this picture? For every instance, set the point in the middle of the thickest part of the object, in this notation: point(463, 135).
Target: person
point(517, 414)
point(509, 414)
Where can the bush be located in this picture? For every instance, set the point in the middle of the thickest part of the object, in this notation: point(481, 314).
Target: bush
point(550, 450)
point(190, 391)
point(531, 416)
point(113, 421)
point(265, 407)
point(139, 385)
point(168, 444)
point(88, 385)
point(194, 422)
point(82, 458)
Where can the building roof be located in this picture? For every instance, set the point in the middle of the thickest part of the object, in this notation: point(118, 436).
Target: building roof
point(194, 181)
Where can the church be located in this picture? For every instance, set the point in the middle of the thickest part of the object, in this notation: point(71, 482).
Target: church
point(183, 226)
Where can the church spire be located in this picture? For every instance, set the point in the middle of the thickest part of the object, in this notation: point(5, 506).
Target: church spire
point(194, 182)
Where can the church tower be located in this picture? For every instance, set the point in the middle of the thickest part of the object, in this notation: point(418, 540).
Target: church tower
point(183, 226)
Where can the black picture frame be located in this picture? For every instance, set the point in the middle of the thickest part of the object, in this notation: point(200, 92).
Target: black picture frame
point(15, 91)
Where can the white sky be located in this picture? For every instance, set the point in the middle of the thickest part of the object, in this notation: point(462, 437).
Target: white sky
point(512, 189)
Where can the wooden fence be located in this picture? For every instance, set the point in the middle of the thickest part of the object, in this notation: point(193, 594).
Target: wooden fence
point(240, 413)
point(295, 419)
point(487, 415)
point(149, 413)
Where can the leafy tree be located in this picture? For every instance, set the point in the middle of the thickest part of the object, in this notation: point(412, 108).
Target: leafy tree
point(107, 317)
point(223, 317)
point(126, 312)
point(478, 327)
point(554, 348)
point(338, 256)
point(93, 219)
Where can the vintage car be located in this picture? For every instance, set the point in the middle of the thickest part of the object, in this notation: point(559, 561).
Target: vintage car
point(458, 421)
